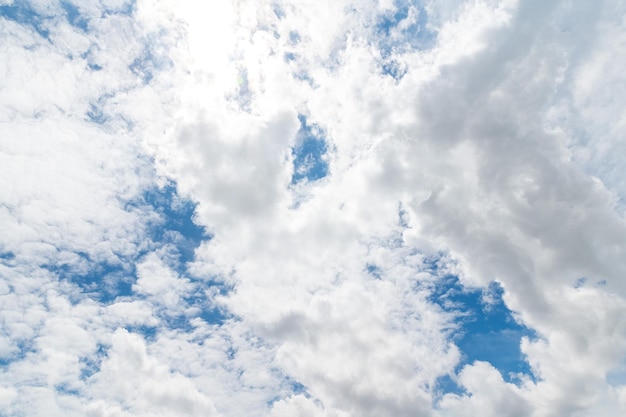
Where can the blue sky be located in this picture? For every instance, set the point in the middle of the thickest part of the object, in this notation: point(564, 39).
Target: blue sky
point(22, 13)
point(276, 208)
point(309, 153)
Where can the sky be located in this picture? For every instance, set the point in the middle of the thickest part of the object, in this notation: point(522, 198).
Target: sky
point(298, 208)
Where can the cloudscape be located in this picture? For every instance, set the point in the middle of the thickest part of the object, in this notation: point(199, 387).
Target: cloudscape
point(312, 208)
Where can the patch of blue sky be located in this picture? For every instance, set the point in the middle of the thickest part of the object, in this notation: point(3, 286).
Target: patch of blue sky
point(393, 68)
point(278, 11)
point(290, 387)
point(294, 37)
point(487, 330)
point(231, 352)
point(583, 282)
point(144, 67)
point(435, 263)
point(176, 229)
point(75, 17)
point(617, 376)
point(309, 153)
point(150, 62)
point(200, 304)
point(66, 390)
point(22, 12)
point(403, 216)
point(446, 384)
point(176, 224)
point(306, 77)
point(89, 365)
point(102, 281)
point(94, 67)
point(207, 310)
point(6, 256)
point(297, 387)
point(173, 227)
point(374, 271)
point(580, 282)
point(125, 9)
point(88, 57)
point(403, 29)
point(22, 349)
point(96, 114)
point(147, 332)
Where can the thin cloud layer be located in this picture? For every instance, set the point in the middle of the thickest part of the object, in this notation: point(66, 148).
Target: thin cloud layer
point(329, 208)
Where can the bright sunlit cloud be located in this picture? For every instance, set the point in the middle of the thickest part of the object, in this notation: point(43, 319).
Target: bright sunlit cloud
point(312, 208)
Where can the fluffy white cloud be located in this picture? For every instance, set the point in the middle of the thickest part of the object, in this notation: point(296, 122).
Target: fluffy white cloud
point(141, 385)
point(476, 139)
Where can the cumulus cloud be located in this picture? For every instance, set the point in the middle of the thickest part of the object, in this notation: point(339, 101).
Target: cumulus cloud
point(166, 248)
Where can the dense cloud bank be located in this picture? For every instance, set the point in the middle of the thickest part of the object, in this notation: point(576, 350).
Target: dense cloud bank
point(312, 208)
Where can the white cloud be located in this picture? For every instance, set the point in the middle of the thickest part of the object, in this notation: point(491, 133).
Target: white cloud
point(497, 152)
point(139, 383)
point(157, 280)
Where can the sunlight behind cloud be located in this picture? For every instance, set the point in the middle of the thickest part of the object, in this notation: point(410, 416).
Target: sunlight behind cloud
point(325, 208)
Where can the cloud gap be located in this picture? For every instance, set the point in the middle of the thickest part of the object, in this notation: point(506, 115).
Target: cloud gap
point(487, 329)
point(172, 229)
point(90, 365)
point(74, 16)
point(103, 281)
point(404, 28)
point(23, 13)
point(309, 153)
point(150, 62)
point(24, 348)
point(176, 230)
point(175, 225)
point(126, 9)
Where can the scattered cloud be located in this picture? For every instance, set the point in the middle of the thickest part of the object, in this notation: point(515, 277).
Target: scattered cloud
point(312, 208)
